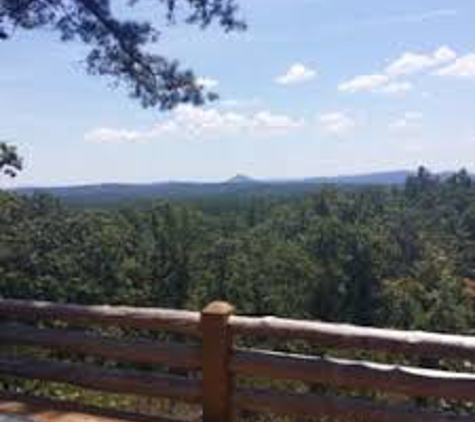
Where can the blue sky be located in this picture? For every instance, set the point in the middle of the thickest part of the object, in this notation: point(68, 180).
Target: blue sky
point(314, 87)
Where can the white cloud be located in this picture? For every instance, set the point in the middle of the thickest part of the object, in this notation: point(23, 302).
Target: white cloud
point(265, 120)
point(196, 121)
point(336, 123)
point(407, 64)
point(188, 122)
point(297, 73)
point(207, 83)
point(409, 120)
point(108, 135)
point(395, 88)
point(241, 102)
point(364, 83)
point(410, 62)
point(375, 83)
point(463, 67)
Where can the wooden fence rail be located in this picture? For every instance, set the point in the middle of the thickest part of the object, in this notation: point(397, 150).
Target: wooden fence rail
point(346, 336)
point(143, 318)
point(210, 364)
point(173, 355)
point(341, 409)
point(356, 375)
point(109, 380)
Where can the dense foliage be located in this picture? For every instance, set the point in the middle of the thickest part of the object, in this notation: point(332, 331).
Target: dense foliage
point(10, 161)
point(384, 256)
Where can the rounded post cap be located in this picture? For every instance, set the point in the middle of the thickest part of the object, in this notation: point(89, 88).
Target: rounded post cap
point(218, 308)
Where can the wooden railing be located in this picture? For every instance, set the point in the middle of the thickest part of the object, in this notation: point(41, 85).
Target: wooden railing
point(217, 361)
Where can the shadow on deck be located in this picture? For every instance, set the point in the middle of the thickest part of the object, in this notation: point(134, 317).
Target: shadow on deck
point(27, 409)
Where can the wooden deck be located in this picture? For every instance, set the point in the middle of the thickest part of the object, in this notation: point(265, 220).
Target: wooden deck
point(43, 410)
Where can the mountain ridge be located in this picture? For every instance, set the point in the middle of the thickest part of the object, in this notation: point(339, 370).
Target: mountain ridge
point(240, 186)
point(383, 177)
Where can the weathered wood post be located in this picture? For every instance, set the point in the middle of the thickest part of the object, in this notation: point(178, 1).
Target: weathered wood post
point(217, 347)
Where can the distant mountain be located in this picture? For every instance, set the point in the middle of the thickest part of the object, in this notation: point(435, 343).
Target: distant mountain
point(238, 185)
point(241, 178)
point(382, 178)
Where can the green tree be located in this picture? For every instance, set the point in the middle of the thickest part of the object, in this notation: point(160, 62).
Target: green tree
point(118, 47)
point(10, 161)
point(259, 273)
point(432, 299)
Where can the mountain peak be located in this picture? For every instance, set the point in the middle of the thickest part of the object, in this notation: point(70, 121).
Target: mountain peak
point(241, 178)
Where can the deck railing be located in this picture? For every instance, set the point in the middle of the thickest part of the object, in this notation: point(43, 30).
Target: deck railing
point(218, 361)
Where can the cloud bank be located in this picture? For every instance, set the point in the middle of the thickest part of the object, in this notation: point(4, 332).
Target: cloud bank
point(408, 64)
point(188, 122)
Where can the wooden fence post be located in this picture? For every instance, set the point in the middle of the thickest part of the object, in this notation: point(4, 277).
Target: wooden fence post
point(217, 378)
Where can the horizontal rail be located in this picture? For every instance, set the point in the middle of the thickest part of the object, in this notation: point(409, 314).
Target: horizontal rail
point(344, 336)
point(415, 382)
point(173, 355)
point(184, 322)
point(217, 329)
point(112, 381)
point(47, 410)
point(355, 410)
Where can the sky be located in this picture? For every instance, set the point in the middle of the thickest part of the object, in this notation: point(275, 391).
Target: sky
point(312, 88)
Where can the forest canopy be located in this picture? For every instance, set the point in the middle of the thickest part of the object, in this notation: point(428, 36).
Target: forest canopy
point(383, 256)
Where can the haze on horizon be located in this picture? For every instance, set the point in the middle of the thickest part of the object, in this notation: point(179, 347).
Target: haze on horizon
point(315, 88)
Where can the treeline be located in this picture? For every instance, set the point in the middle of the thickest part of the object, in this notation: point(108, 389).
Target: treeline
point(383, 256)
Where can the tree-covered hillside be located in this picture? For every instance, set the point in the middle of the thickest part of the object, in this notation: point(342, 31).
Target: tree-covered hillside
point(398, 256)
point(113, 194)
